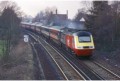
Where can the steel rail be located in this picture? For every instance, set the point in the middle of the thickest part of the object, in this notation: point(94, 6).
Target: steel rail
point(114, 74)
point(39, 63)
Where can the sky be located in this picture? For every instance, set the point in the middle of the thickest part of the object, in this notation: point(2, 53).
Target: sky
point(32, 7)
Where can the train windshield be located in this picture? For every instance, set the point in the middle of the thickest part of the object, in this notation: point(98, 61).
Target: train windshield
point(84, 39)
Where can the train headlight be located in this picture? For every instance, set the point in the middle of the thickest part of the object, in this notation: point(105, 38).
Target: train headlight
point(92, 47)
point(80, 47)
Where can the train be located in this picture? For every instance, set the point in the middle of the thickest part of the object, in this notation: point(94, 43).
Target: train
point(78, 42)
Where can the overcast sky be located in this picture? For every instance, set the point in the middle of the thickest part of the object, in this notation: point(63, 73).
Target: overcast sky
point(32, 7)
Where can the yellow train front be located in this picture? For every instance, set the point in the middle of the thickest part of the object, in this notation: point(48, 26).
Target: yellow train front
point(80, 42)
point(84, 44)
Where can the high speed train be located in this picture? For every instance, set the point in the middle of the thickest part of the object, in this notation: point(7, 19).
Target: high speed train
point(79, 42)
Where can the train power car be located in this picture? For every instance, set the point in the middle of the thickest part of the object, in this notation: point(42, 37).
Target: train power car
point(77, 41)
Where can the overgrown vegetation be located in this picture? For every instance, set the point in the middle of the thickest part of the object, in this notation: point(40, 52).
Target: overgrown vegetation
point(104, 23)
point(9, 26)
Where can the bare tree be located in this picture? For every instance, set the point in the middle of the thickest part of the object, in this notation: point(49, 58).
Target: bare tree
point(45, 15)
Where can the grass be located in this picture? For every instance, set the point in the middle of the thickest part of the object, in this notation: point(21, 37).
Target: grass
point(2, 47)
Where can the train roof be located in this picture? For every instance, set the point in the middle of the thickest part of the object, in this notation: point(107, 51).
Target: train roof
point(71, 28)
point(58, 28)
point(28, 23)
point(39, 24)
point(46, 27)
point(34, 24)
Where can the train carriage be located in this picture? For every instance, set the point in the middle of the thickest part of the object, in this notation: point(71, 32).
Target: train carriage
point(25, 25)
point(55, 34)
point(45, 31)
point(33, 26)
point(38, 27)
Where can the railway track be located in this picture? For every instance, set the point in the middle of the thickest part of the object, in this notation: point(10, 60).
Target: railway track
point(44, 64)
point(90, 73)
point(66, 69)
point(46, 67)
point(100, 69)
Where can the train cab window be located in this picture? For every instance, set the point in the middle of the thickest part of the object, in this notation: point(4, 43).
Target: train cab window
point(84, 36)
point(84, 39)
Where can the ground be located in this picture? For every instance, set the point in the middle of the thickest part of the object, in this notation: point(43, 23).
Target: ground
point(19, 64)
